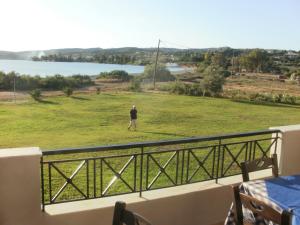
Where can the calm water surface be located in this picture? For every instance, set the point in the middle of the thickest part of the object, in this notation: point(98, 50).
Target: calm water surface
point(69, 68)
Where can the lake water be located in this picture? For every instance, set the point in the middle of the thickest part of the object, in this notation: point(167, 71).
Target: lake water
point(69, 68)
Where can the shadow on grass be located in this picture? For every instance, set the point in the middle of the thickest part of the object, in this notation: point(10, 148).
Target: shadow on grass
point(164, 133)
point(107, 94)
point(296, 106)
point(80, 98)
point(47, 102)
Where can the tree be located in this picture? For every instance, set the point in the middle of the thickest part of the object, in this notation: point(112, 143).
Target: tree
point(213, 80)
point(5, 81)
point(36, 94)
point(208, 57)
point(256, 60)
point(162, 73)
point(68, 91)
point(219, 59)
point(135, 85)
point(55, 82)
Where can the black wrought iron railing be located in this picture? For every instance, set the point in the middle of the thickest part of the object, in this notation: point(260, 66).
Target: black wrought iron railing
point(95, 172)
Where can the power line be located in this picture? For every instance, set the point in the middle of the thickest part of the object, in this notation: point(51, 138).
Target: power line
point(176, 44)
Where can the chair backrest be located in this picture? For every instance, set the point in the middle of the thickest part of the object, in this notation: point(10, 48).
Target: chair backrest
point(238, 210)
point(266, 212)
point(260, 164)
point(260, 208)
point(124, 216)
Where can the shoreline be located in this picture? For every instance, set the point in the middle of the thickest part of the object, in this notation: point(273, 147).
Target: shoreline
point(67, 69)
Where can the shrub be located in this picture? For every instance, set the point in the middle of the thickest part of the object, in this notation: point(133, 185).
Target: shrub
point(68, 91)
point(162, 87)
point(56, 82)
point(98, 90)
point(196, 90)
point(177, 88)
point(162, 73)
point(253, 96)
point(268, 97)
point(185, 89)
point(36, 94)
point(77, 81)
point(226, 73)
point(278, 98)
point(289, 99)
point(240, 96)
point(213, 80)
point(135, 85)
point(115, 74)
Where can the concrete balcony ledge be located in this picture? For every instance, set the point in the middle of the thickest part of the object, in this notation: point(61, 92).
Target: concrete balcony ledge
point(105, 202)
point(290, 128)
point(20, 152)
point(99, 203)
point(204, 203)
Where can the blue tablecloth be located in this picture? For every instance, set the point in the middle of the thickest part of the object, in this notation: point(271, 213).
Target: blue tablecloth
point(283, 192)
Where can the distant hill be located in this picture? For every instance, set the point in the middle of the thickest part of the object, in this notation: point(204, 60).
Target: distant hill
point(146, 56)
point(27, 55)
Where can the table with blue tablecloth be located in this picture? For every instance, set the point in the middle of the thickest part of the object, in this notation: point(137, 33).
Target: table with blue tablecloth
point(283, 193)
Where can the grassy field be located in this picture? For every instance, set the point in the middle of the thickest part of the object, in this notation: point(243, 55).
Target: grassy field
point(92, 120)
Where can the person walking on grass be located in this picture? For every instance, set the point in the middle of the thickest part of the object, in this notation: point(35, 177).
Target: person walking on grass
point(133, 118)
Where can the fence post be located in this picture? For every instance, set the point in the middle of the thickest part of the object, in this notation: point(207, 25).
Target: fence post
point(276, 143)
point(141, 171)
point(218, 162)
point(182, 168)
point(42, 184)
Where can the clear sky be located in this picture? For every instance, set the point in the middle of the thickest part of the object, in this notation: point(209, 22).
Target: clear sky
point(49, 24)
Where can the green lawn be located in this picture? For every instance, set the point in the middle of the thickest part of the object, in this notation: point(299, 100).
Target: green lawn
point(93, 120)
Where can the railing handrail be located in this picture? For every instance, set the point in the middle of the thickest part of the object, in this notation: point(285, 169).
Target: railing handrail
point(156, 143)
point(148, 170)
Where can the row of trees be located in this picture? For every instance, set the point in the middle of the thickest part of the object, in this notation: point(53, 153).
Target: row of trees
point(256, 60)
point(56, 82)
point(137, 58)
point(211, 84)
point(251, 60)
point(162, 74)
point(98, 58)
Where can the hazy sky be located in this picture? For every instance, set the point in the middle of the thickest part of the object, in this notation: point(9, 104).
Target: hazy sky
point(48, 24)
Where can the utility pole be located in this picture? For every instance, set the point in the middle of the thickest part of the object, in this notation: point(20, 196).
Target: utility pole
point(232, 66)
point(155, 69)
